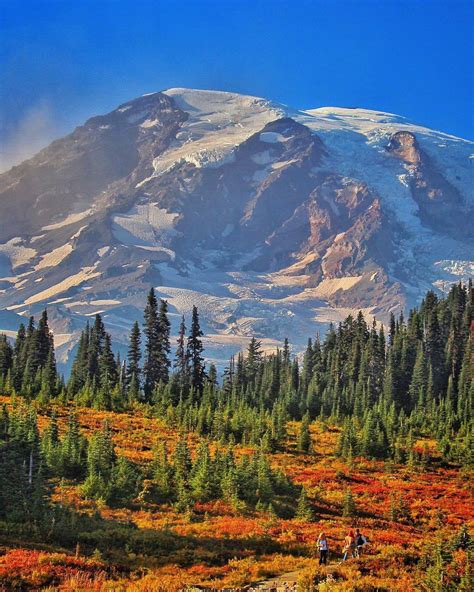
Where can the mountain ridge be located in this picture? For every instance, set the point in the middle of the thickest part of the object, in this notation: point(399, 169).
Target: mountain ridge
point(272, 220)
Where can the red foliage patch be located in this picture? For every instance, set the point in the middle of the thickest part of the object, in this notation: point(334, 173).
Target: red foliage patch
point(21, 569)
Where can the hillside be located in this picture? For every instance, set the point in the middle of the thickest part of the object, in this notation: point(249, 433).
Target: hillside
point(219, 547)
point(142, 476)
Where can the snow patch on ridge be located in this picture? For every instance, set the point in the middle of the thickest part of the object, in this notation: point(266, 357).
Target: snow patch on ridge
point(453, 271)
point(54, 257)
point(103, 251)
point(86, 273)
point(462, 269)
point(16, 252)
point(328, 287)
point(217, 123)
point(70, 219)
point(145, 226)
point(272, 137)
point(150, 123)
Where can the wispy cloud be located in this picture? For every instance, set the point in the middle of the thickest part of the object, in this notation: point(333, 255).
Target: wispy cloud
point(35, 130)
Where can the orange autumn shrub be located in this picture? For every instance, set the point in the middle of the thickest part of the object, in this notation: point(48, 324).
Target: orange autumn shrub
point(22, 568)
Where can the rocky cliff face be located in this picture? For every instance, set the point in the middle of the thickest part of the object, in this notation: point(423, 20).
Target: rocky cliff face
point(273, 221)
point(440, 202)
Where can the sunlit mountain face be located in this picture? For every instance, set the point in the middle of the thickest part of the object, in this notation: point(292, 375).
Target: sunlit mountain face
point(273, 221)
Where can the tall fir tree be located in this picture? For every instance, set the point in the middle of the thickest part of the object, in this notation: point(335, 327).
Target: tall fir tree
point(181, 361)
point(133, 370)
point(304, 437)
point(152, 365)
point(164, 347)
point(194, 353)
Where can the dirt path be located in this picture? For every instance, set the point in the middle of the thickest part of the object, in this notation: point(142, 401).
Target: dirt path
point(287, 582)
point(284, 583)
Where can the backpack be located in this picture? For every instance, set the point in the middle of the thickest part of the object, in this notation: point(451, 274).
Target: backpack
point(360, 541)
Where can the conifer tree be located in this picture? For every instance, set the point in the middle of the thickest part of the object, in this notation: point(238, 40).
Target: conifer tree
point(202, 477)
point(101, 453)
point(73, 449)
point(43, 341)
point(434, 350)
point(369, 446)
point(253, 361)
point(4, 423)
point(50, 445)
point(164, 347)
point(265, 490)
point(162, 473)
point(194, 353)
point(49, 377)
point(349, 506)
point(308, 361)
point(19, 356)
point(419, 379)
point(434, 575)
point(133, 371)
point(6, 356)
point(36, 352)
point(181, 361)
point(126, 480)
point(80, 366)
point(182, 461)
point(107, 374)
point(152, 365)
point(228, 378)
point(304, 438)
point(101, 459)
point(304, 510)
point(95, 345)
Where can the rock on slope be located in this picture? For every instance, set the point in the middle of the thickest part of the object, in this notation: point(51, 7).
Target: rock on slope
point(273, 221)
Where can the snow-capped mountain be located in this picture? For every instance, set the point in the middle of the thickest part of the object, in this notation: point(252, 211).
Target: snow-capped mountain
point(273, 221)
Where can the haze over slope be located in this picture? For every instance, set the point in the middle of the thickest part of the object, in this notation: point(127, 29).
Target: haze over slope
point(272, 220)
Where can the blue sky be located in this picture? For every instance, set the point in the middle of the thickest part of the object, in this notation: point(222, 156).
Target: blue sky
point(62, 61)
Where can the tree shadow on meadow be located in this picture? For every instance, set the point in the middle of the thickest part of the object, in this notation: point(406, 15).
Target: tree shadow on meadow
point(127, 546)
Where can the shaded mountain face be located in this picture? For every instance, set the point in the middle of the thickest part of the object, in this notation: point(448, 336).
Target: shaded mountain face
point(272, 221)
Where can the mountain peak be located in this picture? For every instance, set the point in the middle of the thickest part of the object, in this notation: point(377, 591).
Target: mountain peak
point(266, 217)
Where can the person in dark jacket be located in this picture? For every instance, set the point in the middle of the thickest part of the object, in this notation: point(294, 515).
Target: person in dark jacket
point(360, 542)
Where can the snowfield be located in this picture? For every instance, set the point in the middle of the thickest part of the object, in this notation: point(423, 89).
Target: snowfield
point(217, 123)
point(145, 225)
point(55, 256)
point(17, 253)
point(77, 279)
point(234, 306)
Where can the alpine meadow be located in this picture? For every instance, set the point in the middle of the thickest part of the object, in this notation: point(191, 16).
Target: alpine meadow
point(134, 466)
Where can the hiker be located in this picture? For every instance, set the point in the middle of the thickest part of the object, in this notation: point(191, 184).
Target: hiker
point(349, 546)
point(323, 547)
point(464, 540)
point(360, 542)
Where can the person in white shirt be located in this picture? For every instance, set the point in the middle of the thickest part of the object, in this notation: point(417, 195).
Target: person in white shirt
point(323, 549)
